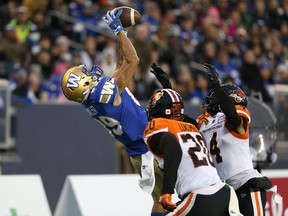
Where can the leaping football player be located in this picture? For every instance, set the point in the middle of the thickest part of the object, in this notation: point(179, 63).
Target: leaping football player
point(108, 100)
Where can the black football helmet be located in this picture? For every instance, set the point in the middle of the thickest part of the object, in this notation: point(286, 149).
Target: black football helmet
point(236, 94)
point(165, 103)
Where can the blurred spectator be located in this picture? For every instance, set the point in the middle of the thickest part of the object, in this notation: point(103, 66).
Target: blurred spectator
point(44, 43)
point(45, 62)
point(15, 52)
point(206, 52)
point(91, 49)
point(281, 76)
point(285, 13)
point(35, 6)
point(171, 51)
point(226, 67)
point(200, 91)
point(152, 15)
point(223, 6)
point(267, 77)
point(58, 26)
point(160, 39)
point(21, 24)
point(232, 35)
point(109, 60)
point(26, 86)
point(212, 16)
point(276, 47)
point(85, 15)
point(61, 47)
point(234, 21)
point(187, 28)
point(8, 12)
point(245, 15)
point(232, 50)
point(184, 82)
point(166, 5)
point(275, 13)
point(75, 7)
point(38, 18)
point(251, 77)
point(284, 34)
point(51, 90)
point(62, 65)
point(259, 12)
point(143, 47)
point(241, 40)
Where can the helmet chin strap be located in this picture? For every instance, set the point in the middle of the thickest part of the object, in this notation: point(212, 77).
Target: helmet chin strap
point(87, 93)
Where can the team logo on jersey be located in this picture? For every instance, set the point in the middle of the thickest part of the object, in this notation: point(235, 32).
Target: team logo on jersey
point(238, 95)
point(73, 81)
point(107, 91)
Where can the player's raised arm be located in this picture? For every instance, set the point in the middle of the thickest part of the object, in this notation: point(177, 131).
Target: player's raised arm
point(128, 59)
point(226, 104)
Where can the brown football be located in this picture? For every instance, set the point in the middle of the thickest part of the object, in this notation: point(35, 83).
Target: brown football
point(129, 16)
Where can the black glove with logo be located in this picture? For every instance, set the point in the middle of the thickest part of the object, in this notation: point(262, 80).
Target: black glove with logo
point(161, 76)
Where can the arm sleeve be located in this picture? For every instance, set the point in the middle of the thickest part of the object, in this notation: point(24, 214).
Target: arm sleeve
point(189, 119)
point(227, 106)
point(166, 143)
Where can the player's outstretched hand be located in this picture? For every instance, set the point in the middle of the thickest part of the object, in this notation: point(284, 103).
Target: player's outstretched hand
point(166, 202)
point(161, 76)
point(113, 21)
point(212, 73)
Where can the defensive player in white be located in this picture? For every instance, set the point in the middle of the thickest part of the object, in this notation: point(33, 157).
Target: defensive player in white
point(187, 166)
point(225, 127)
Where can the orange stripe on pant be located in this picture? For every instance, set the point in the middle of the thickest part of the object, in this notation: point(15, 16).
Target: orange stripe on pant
point(180, 211)
point(257, 204)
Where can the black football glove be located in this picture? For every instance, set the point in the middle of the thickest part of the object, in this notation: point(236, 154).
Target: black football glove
point(161, 76)
point(212, 73)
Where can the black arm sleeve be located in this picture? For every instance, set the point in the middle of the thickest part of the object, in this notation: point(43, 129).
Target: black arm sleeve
point(226, 105)
point(167, 144)
point(189, 119)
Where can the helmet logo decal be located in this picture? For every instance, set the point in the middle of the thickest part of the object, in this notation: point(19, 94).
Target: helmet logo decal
point(73, 81)
point(156, 97)
point(238, 95)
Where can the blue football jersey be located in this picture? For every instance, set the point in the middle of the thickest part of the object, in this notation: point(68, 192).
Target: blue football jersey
point(125, 122)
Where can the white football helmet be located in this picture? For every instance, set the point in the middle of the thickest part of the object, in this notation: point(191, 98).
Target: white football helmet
point(78, 81)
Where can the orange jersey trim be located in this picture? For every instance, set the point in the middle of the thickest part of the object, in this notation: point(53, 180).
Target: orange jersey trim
point(245, 114)
point(159, 125)
point(203, 118)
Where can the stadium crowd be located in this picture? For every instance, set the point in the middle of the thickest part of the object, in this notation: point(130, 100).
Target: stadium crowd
point(246, 40)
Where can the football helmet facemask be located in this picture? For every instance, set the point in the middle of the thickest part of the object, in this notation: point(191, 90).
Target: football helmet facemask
point(78, 81)
point(236, 94)
point(165, 103)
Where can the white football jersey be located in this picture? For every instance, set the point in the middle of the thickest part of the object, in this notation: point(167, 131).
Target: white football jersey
point(229, 150)
point(196, 169)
